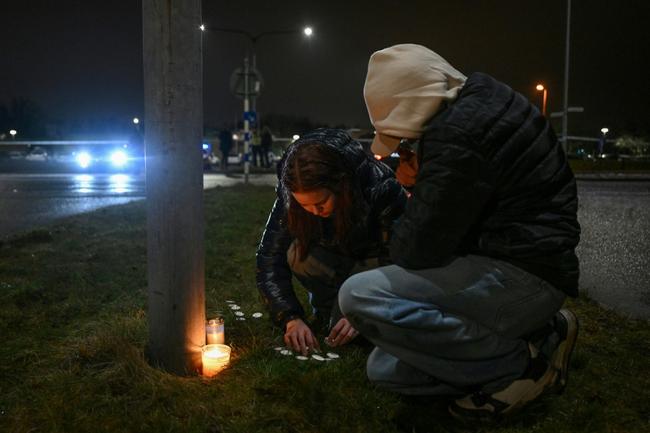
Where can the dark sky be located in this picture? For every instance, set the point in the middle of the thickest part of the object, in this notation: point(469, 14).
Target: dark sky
point(82, 59)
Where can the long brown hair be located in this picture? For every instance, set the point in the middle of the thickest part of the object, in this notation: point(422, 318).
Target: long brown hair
point(311, 164)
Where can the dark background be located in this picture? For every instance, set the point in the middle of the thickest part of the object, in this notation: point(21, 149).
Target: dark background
point(81, 61)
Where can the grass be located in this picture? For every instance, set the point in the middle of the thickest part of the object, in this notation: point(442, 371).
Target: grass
point(73, 328)
point(609, 165)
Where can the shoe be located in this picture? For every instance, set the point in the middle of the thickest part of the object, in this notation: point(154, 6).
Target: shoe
point(566, 326)
point(539, 376)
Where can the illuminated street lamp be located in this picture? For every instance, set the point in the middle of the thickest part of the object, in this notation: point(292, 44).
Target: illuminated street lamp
point(541, 88)
point(136, 121)
point(601, 142)
point(13, 133)
point(248, 74)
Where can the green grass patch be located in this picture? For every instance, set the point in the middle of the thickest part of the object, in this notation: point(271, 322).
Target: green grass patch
point(73, 327)
point(609, 165)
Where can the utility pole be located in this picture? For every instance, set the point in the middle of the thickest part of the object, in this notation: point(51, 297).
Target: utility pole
point(174, 176)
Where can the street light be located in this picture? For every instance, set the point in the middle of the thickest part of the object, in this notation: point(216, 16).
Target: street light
point(601, 142)
point(13, 133)
point(253, 38)
point(541, 88)
point(308, 31)
point(136, 121)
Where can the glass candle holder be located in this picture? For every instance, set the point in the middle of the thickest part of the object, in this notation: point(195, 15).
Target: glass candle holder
point(214, 331)
point(215, 358)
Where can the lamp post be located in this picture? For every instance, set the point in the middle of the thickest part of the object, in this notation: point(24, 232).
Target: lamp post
point(253, 38)
point(541, 88)
point(13, 133)
point(601, 142)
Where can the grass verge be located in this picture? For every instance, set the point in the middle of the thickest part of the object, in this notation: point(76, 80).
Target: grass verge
point(73, 327)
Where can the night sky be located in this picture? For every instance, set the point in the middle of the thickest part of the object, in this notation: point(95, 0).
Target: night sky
point(83, 59)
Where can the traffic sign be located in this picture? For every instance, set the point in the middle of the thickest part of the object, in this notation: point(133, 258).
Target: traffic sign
point(570, 110)
point(238, 82)
point(251, 116)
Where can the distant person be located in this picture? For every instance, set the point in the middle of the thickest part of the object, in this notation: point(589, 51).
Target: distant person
point(257, 149)
point(267, 144)
point(485, 251)
point(332, 217)
point(225, 145)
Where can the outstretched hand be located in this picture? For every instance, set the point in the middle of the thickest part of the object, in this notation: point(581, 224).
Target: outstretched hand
point(299, 338)
point(342, 333)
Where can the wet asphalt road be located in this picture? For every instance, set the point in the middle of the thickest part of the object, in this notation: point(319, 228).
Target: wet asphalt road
point(614, 249)
point(614, 215)
point(32, 200)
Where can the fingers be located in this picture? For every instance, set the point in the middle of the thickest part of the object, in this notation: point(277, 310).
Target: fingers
point(349, 336)
point(336, 329)
point(345, 334)
point(302, 346)
point(293, 342)
point(301, 339)
point(312, 342)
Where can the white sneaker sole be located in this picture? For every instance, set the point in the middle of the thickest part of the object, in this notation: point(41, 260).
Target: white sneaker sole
point(562, 355)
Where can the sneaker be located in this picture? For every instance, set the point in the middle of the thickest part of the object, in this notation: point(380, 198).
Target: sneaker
point(566, 326)
point(482, 407)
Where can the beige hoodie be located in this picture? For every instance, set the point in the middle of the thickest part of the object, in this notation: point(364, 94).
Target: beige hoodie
point(405, 86)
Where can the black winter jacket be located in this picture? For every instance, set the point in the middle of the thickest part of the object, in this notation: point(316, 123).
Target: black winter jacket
point(494, 181)
point(382, 200)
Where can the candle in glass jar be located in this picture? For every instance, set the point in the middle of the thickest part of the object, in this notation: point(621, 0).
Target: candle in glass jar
point(215, 358)
point(215, 331)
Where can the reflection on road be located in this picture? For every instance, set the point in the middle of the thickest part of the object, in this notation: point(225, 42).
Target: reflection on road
point(83, 183)
point(40, 199)
point(119, 183)
point(113, 184)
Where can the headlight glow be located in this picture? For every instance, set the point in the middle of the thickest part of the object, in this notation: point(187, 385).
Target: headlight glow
point(119, 158)
point(84, 159)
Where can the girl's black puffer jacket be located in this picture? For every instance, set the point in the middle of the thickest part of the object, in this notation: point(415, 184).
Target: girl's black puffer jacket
point(380, 197)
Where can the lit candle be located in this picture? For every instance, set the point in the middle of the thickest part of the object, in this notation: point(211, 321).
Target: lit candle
point(214, 331)
point(215, 358)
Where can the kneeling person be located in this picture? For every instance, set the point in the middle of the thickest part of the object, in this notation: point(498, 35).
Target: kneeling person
point(332, 217)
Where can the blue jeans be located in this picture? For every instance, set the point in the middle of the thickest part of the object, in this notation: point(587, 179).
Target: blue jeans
point(449, 330)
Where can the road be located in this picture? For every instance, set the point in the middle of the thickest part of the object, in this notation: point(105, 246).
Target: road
point(615, 242)
point(32, 200)
point(614, 215)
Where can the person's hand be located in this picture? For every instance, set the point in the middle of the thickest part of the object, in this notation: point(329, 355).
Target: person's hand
point(299, 337)
point(342, 333)
point(407, 169)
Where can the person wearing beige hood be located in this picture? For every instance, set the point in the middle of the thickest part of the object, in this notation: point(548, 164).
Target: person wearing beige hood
point(484, 254)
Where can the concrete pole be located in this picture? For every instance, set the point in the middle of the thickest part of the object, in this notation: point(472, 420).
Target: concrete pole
point(174, 177)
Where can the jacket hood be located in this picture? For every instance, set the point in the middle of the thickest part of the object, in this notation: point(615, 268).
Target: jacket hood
point(405, 87)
